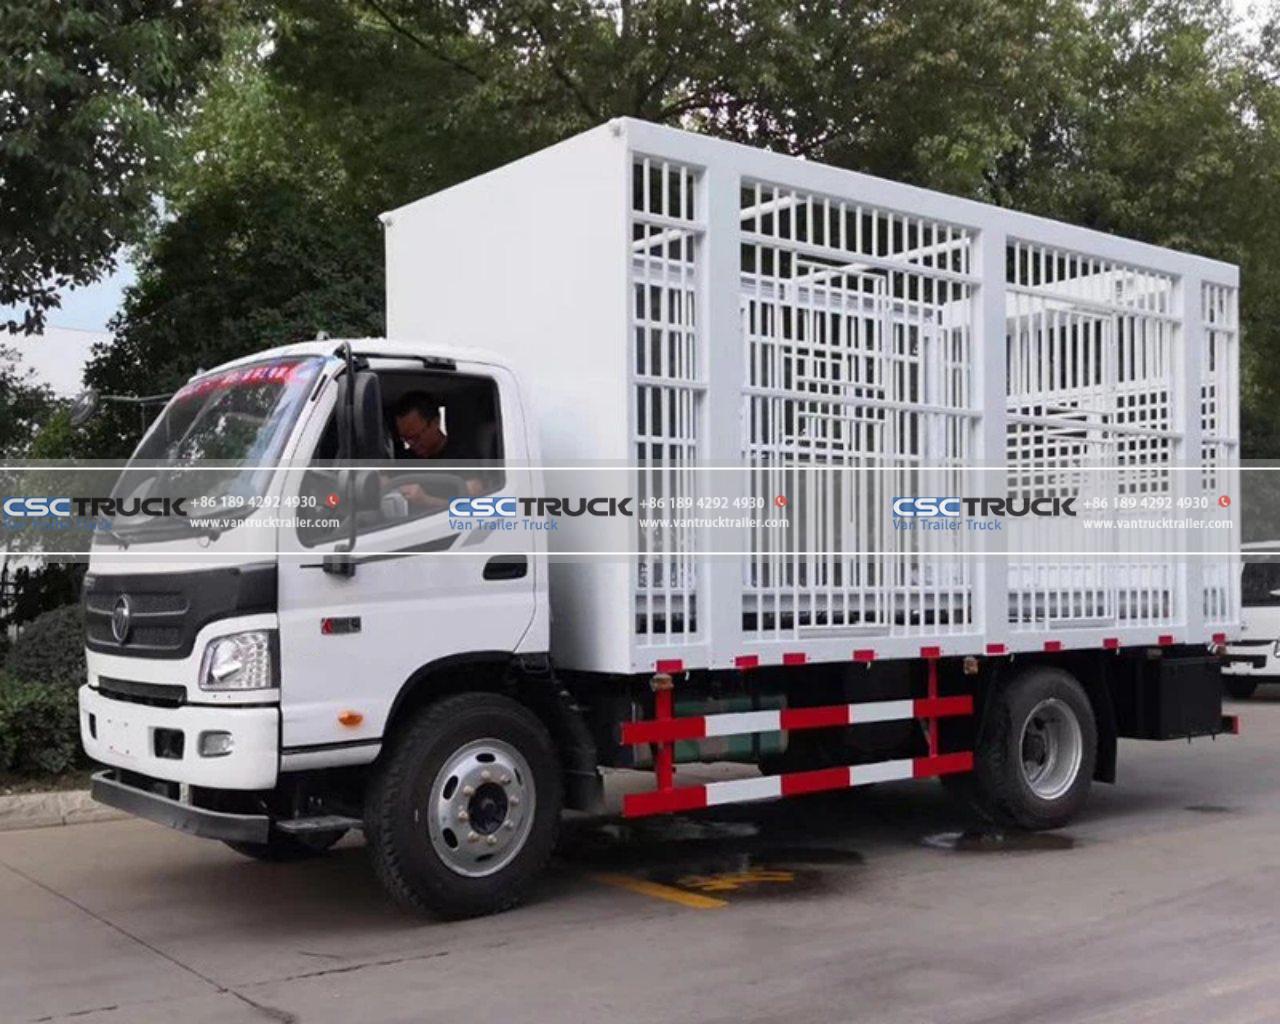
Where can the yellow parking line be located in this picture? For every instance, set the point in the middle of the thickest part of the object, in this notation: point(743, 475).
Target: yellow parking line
point(661, 892)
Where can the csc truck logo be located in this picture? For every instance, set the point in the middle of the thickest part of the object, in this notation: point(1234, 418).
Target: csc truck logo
point(36, 508)
point(507, 507)
point(951, 508)
point(483, 508)
point(926, 508)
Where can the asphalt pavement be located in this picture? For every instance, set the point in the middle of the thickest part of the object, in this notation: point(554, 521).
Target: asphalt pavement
point(890, 905)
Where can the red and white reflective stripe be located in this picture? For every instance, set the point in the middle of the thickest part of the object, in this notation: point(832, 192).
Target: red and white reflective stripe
point(770, 787)
point(736, 723)
point(741, 721)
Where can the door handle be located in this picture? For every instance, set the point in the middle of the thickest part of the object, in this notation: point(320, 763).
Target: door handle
point(506, 567)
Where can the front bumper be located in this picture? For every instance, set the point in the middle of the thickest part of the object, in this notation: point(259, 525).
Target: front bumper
point(122, 734)
point(1251, 659)
point(109, 788)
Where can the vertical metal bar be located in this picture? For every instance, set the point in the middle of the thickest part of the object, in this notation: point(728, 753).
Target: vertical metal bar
point(664, 754)
point(991, 401)
point(1189, 373)
point(723, 420)
point(932, 664)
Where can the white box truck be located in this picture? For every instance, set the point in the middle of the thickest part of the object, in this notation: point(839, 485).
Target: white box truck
point(1253, 656)
point(714, 333)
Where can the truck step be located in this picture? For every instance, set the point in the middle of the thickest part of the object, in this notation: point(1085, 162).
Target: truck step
point(319, 823)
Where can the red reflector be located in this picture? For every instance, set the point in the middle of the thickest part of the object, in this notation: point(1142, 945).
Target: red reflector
point(1219, 638)
point(746, 661)
point(866, 654)
point(669, 665)
point(796, 658)
point(931, 652)
point(995, 648)
point(1231, 725)
point(1111, 643)
point(1164, 640)
point(1053, 646)
point(326, 626)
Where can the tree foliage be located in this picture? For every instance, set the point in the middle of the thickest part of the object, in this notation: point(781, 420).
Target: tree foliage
point(88, 90)
point(1155, 119)
point(25, 404)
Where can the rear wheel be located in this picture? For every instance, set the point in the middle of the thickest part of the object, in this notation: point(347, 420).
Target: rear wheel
point(1036, 751)
point(462, 816)
point(1240, 687)
point(282, 847)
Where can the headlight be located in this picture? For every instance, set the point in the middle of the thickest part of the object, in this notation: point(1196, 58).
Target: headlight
point(241, 661)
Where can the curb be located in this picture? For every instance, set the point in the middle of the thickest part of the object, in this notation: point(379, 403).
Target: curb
point(60, 807)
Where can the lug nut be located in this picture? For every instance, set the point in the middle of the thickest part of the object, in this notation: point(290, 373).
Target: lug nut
point(463, 816)
point(505, 780)
point(509, 824)
point(514, 801)
point(491, 840)
point(468, 791)
point(485, 775)
point(472, 837)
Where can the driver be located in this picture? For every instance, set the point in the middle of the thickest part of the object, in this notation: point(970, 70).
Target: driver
point(417, 420)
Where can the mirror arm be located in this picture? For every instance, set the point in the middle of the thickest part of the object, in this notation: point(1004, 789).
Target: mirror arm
point(340, 562)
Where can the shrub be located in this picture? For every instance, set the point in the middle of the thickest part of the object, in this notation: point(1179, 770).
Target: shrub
point(50, 649)
point(39, 728)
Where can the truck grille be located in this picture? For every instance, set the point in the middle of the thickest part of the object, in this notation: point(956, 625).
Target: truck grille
point(158, 695)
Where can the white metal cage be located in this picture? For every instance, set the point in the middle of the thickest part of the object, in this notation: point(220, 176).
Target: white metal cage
point(728, 321)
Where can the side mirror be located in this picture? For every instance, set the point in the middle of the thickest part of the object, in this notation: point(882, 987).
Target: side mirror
point(84, 407)
point(360, 419)
point(362, 434)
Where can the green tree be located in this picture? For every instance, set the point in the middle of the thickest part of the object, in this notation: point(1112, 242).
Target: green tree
point(88, 92)
point(24, 405)
point(1149, 118)
point(265, 245)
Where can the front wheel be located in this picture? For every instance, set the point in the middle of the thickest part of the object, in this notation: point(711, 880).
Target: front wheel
point(462, 815)
point(1036, 751)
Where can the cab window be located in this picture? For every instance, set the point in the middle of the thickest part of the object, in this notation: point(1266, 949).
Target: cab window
point(446, 441)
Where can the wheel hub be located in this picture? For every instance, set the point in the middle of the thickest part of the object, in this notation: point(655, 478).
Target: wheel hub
point(1052, 749)
point(481, 807)
point(488, 809)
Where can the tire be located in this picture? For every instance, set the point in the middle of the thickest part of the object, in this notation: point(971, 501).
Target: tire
point(1239, 687)
point(414, 812)
point(282, 848)
point(1036, 752)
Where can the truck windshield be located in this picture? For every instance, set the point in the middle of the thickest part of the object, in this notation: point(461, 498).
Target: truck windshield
point(216, 443)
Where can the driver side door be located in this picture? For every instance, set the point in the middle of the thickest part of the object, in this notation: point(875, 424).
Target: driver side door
point(423, 590)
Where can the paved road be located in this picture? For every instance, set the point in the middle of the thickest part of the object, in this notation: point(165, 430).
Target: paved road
point(1161, 904)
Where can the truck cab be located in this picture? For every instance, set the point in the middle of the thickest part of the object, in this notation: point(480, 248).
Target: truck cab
point(1253, 657)
point(247, 659)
